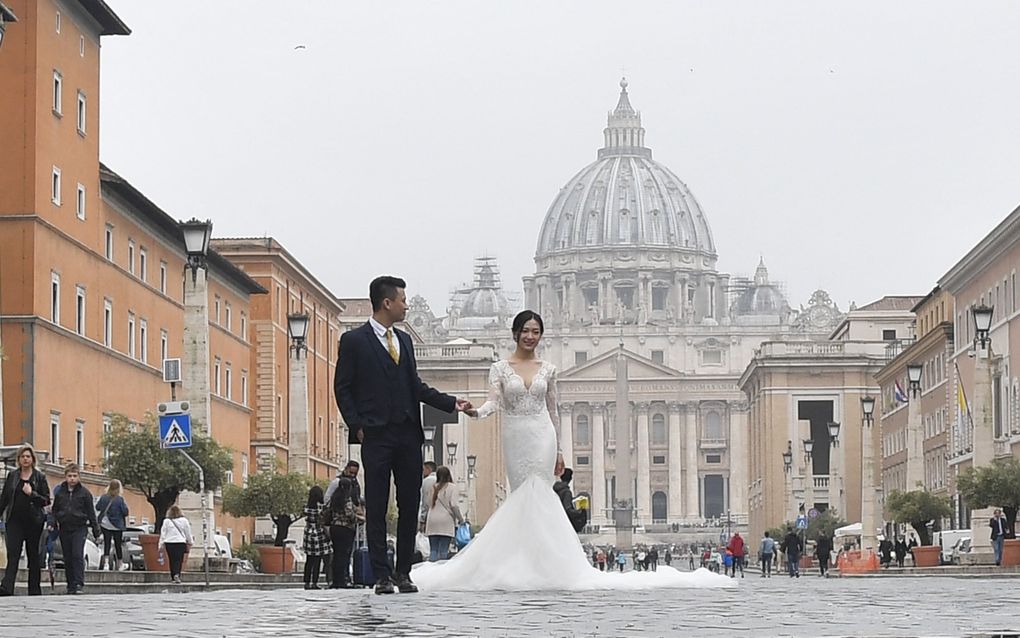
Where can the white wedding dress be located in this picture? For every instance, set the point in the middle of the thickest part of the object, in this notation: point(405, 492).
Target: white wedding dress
point(528, 543)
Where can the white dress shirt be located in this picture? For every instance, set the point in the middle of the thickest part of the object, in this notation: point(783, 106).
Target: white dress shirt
point(380, 332)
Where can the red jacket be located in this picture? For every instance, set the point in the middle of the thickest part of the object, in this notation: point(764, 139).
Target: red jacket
point(736, 545)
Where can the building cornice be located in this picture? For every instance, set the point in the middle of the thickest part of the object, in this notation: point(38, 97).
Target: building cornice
point(981, 256)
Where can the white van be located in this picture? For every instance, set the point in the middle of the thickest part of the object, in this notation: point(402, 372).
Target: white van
point(948, 539)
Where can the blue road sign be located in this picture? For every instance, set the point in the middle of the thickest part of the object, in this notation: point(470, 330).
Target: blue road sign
point(175, 431)
point(802, 522)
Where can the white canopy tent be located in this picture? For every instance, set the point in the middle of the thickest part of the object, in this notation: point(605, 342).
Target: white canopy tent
point(854, 529)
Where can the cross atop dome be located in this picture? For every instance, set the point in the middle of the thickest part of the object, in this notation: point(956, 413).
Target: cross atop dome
point(623, 133)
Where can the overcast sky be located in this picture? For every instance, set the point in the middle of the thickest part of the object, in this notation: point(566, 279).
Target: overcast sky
point(862, 147)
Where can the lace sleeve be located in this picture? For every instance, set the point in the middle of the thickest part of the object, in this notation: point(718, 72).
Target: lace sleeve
point(495, 393)
point(552, 402)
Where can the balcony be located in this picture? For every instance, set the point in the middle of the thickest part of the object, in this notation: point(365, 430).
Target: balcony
point(465, 351)
point(1002, 448)
point(822, 349)
point(713, 444)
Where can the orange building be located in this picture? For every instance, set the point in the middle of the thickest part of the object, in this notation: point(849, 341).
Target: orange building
point(91, 271)
point(292, 289)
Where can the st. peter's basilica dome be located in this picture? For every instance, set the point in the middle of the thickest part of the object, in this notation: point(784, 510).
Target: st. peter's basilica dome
point(625, 199)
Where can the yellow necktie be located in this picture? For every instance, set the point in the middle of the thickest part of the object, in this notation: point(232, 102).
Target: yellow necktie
point(392, 347)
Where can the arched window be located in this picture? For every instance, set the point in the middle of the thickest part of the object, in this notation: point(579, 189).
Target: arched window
point(659, 508)
point(713, 426)
point(658, 430)
point(583, 435)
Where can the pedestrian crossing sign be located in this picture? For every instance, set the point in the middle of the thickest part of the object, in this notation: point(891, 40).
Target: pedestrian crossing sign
point(175, 431)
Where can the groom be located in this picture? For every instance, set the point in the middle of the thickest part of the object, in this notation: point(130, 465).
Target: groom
point(379, 394)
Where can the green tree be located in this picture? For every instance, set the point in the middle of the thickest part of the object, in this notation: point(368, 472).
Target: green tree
point(918, 508)
point(825, 523)
point(281, 497)
point(995, 485)
point(137, 460)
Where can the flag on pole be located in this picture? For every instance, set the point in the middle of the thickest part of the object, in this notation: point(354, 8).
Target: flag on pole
point(898, 393)
point(961, 397)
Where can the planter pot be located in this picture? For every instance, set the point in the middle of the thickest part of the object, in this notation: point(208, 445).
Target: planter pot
point(276, 560)
point(927, 556)
point(1011, 552)
point(152, 554)
point(806, 562)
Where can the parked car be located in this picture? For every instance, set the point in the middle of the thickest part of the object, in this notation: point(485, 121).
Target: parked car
point(962, 546)
point(132, 547)
point(93, 553)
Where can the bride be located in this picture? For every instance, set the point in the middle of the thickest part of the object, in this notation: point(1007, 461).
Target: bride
point(528, 543)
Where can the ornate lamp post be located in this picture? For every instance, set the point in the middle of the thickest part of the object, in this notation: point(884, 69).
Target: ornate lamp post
point(982, 324)
point(868, 539)
point(298, 448)
point(984, 424)
point(430, 437)
point(835, 502)
point(914, 378)
point(809, 476)
point(787, 468)
point(915, 434)
point(451, 452)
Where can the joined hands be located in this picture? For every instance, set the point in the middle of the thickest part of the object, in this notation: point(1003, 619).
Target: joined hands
point(465, 406)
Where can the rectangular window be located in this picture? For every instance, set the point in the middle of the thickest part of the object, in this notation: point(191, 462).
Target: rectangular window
point(216, 309)
point(244, 387)
point(143, 264)
point(658, 356)
point(79, 310)
point(711, 357)
point(162, 277)
point(713, 458)
point(58, 22)
point(108, 323)
point(659, 296)
point(658, 460)
point(229, 381)
point(81, 46)
point(164, 346)
point(216, 374)
point(131, 335)
point(55, 186)
point(244, 470)
point(79, 442)
point(131, 256)
point(107, 428)
point(81, 112)
point(227, 315)
point(55, 437)
point(711, 300)
point(583, 460)
point(80, 208)
point(109, 242)
point(58, 90)
point(888, 335)
point(143, 338)
point(55, 298)
point(580, 357)
point(244, 326)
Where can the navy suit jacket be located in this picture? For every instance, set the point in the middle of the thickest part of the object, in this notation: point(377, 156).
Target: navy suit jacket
point(368, 382)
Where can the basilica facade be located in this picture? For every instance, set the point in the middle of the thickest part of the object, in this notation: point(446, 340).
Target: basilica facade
point(626, 275)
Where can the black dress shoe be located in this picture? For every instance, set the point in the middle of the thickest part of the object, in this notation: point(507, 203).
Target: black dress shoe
point(384, 586)
point(404, 584)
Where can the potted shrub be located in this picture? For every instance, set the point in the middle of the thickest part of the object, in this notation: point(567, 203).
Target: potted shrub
point(919, 508)
point(138, 461)
point(996, 485)
point(282, 498)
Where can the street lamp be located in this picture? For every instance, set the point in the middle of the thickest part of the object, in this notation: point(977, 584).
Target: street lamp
point(297, 326)
point(982, 323)
point(197, 234)
point(914, 378)
point(430, 437)
point(451, 452)
point(788, 457)
point(868, 408)
point(809, 446)
point(472, 460)
point(834, 433)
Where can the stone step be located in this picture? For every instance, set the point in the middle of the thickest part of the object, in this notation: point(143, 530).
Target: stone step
point(141, 577)
point(189, 585)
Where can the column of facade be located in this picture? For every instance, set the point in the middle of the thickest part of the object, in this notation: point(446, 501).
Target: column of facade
point(738, 414)
point(644, 479)
point(915, 443)
point(983, 438)
point(692, 504)
point(678, 295)
point(570, 297)
point(675, 502)
point(608, 308)
point(598, 464)
point(567, 433)
point(530, 296)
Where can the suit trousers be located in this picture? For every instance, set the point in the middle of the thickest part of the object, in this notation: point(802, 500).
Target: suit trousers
point(21, 531)
point(392, 450)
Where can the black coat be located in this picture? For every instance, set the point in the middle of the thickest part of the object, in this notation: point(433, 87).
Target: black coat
point(823, 546)
point(562, 490)
point(74, 509)
point(994, 523)
point(40, 495)
point(792, 544)
point(373, 391)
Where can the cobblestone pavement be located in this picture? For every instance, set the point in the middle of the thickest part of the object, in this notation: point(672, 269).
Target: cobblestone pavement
point(926, 606)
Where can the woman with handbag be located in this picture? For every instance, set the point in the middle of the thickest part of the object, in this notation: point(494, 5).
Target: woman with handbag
point(443, 517)
point(113, 513)
point(176, 537)
point(23, 500)
point(342, 515)
point(316, 538)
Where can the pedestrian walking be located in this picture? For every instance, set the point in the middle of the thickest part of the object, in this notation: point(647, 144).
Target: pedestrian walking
point(346, 512)
point(823, 552)
point(690, 560)
point(175, 536)
point(766, 551)
point(113, 513)
point(75, 514)
point(621, 560)
point(316, 538)
point(885, 550)
point(444, 516)
point(998, 525)
point(667, 558)
point(23, 500)
point(602, 560)
point(792, 547)
point(736, 548)
point(653, 559)
point(901, 551)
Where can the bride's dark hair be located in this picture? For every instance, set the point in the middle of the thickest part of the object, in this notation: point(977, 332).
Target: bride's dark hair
point(522, 318)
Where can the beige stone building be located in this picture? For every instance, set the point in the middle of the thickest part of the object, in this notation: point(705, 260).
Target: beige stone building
point(795, 390)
